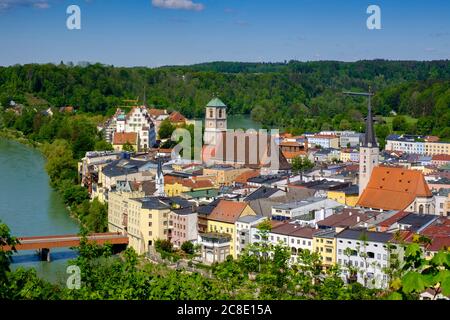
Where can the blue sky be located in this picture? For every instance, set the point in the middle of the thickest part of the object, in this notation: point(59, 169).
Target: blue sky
point(168, 32)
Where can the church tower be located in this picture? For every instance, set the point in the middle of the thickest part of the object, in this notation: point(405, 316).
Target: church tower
point(215, 120)
point(368, 151)
point(159, 183)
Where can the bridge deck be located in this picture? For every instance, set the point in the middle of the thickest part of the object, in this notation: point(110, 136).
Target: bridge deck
point(40, 242)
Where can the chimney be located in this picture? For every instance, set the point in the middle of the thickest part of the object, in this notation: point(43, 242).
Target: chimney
point(358, 219)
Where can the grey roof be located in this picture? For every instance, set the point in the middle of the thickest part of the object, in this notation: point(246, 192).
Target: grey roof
point(159, 203)
point(417, 221)
point(249, 219)
point(152, 203)
point(359, 234)
point(208, 208)
point(123, 166)
point(267, 179)
point(263, 207)
point(262, 192)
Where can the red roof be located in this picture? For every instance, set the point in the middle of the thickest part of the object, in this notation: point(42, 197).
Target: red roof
point(392, 188)
point(227, 211)
point(176, 117)
point(441, 157)
point(121, 138)
point(294, 154)
point(157, 112)
point(294, 230)
point(243, 177)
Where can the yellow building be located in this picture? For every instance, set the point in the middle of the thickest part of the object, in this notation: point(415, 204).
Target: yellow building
point(348, 196)
point(223, 219)
point(435, 148)
point(324, 243)
point(144, 220)
point(224, 175)
point(122, 138)
point(175, 187)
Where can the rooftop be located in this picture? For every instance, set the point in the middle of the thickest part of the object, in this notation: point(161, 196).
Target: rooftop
point(360, 234)
point(216, 103)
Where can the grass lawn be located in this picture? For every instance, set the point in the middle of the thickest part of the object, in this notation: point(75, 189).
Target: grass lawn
point(409, 120)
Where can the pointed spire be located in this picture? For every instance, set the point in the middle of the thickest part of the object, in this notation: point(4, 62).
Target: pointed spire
point(159, 172)
point(370, 139)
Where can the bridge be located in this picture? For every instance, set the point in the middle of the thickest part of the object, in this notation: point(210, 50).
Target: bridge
point(43, 244)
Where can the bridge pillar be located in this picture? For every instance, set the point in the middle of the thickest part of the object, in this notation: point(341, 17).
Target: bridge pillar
point(44, 254)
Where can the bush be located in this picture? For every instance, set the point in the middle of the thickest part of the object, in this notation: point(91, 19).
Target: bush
point(164, 246)
point(188, 247)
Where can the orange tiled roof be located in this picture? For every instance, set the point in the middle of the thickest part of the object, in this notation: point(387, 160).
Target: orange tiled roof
point(393, 188)
point(290, 144)
point(243, 177)
point(121, 138)
point(157, 112)
point(176, 117)
point(441, 157)
point(227, 211)
point(199, 184)
point(293, 154)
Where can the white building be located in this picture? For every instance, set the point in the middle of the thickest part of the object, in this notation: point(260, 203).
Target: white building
point(367, 252)
point(138, 120)
point(243, 231)
point(309, 210)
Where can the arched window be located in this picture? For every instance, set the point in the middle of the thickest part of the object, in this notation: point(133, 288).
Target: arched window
point(220, 113)
point(211, 113)
point(294, 251)
point(421, 208)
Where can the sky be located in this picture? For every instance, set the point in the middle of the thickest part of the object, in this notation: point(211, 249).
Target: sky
point(178, 32)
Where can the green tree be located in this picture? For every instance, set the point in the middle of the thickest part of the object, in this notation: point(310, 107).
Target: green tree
point(300, 165)
point(188, 247)
point(166, 129)
point(102, 145)
point(128, 147)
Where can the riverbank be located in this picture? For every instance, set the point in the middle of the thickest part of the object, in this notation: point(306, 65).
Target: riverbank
point(11, 134)
point(31, 207)
point(89, 215)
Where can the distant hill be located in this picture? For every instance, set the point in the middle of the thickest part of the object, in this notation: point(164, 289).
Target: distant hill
point(290, 94)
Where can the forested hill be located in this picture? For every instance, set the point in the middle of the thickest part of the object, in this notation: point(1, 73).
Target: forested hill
point(298, 95)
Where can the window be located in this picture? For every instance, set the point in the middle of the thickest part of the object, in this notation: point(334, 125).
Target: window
point(379, 256)
point(340, 261)
point(340, 251)
point(304, 242)
point(211, 113)
point(150, 233)
point(149, 215)
point(371, 255)
point(150, 224)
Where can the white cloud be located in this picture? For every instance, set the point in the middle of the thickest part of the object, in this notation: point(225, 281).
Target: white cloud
point(11, 4)
point(178, 4)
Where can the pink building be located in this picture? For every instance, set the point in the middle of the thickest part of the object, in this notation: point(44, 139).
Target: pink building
point(183, 223)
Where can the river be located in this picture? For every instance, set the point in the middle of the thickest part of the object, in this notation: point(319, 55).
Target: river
point(30, 207)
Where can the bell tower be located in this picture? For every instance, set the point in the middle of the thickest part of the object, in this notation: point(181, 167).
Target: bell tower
point(368, 150)
point(215, 120)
